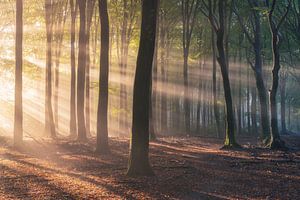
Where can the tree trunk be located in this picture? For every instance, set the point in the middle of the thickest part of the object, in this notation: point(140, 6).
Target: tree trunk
point(81, 72)
point(89, 16)
point(139, 158)
point(102, 129)
point(73, 123)
point(186, 91)
point(253, 111)
point(18, 120)
point(154, 82)
point(49, 121)
point(230, 135)
point(283, 104)
point(276, 142)
point(215, 97)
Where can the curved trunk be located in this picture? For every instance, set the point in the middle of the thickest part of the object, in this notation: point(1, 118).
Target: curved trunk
point(139, 159)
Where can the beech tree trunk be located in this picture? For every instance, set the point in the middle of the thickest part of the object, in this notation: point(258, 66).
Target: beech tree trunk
point(102, 122)
point(139, 152)
point(18, 120)
point(49, 119)
point(73, 123)
point(81, 72)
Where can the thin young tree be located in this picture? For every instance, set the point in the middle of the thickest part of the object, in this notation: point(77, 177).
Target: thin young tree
point(217, 21)
point(139, 151)
point(73, 123)
point(89, 20)
point(18, 120)
point(49, 119)
point(59, 13)
point(189, 10)
point(276, 142)
point(102, 123)
point(253, 34)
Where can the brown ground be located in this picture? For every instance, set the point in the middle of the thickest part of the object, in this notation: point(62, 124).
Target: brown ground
point(192, 168)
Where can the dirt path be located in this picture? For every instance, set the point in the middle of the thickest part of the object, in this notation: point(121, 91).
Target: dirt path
point(190, 168)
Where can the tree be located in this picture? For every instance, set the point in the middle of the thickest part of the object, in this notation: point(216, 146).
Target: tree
point(59, 13)
point(276, 142)
point(81, 72)
point(18, 121)
point(126, 20)
point(154, 82)
point(73, 123)
point(49, 121)
point(139, 152)
point(102, 129)
point(89, 16)
point(189, 11)
point(218, 24)
point(257, 66)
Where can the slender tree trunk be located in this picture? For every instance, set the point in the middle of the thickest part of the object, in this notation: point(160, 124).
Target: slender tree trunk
point(154, 81)
point(253, 110)
point(248, 103)
point(215, 97)
point(139, 158)
point(18, 120)
point(81, 72)
point(283, 104)
point(230, 135)
point(239, 111)
point(163, 75)
point(49, 120)
point(276, 142)
point(89, 16)
point(73, 123)
point(260, 85)
point(102, 123)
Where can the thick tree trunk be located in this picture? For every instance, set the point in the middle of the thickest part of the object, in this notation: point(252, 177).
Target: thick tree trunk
point(73, 123)
point(102, 126)
point(139, 153)
point(81, 72)
point(18, 120)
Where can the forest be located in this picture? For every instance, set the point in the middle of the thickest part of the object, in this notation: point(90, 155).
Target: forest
point(149, 99)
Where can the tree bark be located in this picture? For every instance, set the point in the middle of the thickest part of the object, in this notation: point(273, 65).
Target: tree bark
point(73, 123)
point(139, 152)
point(49, 120)
point(18, 117)
point(81, 72)
point(89, 16)
point(102, 122)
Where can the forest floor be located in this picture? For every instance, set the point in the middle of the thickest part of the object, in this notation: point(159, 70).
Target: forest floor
point(185, 168)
